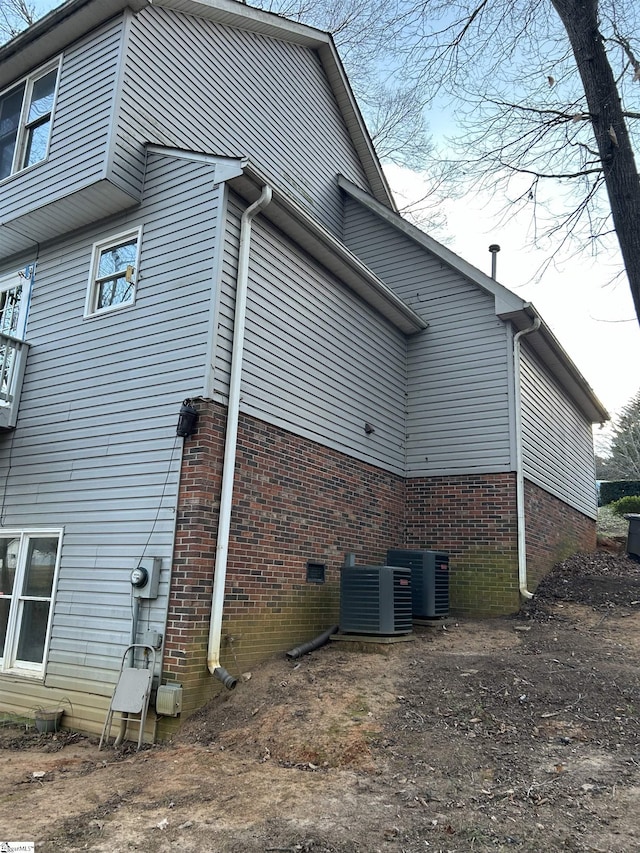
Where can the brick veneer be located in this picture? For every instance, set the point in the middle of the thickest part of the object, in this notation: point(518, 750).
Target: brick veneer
point(295, 501)
point(474, 518)
point(554, 531)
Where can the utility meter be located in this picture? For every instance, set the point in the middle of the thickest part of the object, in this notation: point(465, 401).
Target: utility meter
point(139, 577)
point(146, 577)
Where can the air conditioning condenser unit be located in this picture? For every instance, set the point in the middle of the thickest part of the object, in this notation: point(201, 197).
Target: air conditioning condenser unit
point(375, 600)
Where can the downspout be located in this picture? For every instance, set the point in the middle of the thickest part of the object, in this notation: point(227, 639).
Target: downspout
point(522, 537)
point(231, 440)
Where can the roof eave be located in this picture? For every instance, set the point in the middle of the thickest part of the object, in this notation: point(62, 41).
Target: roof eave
point(298, 225)
point(507, 306)
point(553, 355)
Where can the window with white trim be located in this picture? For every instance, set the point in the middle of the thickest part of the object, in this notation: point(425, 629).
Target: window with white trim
point(26, 114)
point(114, 273)
point(29, 561)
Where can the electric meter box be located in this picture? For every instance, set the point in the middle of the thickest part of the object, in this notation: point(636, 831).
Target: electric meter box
point(145, 578)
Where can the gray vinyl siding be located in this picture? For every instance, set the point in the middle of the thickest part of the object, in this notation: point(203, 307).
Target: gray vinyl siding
point(318, 361)
point(459, 372)
point(232, 92)
point(82, 120)
point(557, 440)
point(95, 449)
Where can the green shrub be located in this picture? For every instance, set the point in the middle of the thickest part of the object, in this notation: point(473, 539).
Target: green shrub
point(630, 503)
point(613, 490)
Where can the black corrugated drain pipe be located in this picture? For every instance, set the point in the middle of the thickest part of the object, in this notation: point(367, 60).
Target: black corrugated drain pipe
point(311, 645)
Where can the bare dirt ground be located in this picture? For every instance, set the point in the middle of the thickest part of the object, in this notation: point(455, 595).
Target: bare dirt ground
point(508, 734)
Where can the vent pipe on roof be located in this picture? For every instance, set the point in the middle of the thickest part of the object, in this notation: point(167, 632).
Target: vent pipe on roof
point(494, 249)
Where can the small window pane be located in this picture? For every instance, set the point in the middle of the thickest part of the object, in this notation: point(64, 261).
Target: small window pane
point(42, 96)
point(10, 107)
point(37, 141)
point(33, 631)
point(41, 562)
point(7, 147)
point(5, 603)
point(117, 259)
point(8, 562)
point(116, 291)
point(10, 309)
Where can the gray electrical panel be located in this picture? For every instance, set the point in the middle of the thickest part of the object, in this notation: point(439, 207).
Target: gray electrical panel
point(145, 578)
point(429, 580)
point(375, 600)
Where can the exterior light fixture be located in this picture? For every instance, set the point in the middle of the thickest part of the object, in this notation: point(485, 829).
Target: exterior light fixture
point(186, 419)
point(368, 429)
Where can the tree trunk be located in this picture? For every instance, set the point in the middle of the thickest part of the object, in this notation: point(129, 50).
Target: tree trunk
point(580, 20)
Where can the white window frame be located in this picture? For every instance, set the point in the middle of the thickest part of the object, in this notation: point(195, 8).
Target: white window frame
point(9, 664)
point(24, 125)
point(90, 309)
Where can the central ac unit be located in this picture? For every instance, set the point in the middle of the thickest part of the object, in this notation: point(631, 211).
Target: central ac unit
point(429, 580)
point(375, 600)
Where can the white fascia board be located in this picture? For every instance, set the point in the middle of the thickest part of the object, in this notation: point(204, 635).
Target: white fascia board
point(241, 16)
point(300, 227)
point(356, 125)
point(505, 300)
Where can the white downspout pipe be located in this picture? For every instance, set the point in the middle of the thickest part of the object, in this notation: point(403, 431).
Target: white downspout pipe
point(231, 440)
point(522, 537)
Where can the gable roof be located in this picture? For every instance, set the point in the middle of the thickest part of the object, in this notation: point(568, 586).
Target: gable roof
point(70, 21)
point(507, 305)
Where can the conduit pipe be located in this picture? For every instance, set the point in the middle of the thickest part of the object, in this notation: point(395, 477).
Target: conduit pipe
point(522, 537)
point(231, 440)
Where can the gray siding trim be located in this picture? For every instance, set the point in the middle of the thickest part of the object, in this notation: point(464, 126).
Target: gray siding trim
point(318, 361)
point(216, 291)
point(460, 376)
point(125, 161)
point(557, 441)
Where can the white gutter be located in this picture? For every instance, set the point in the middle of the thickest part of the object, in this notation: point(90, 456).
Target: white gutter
point(231, 440)
point(522, 538)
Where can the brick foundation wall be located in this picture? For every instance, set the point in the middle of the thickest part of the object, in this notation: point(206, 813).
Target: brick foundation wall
point(297, 501)
point(554, 531)
point(474, 518)
point(294, 501)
